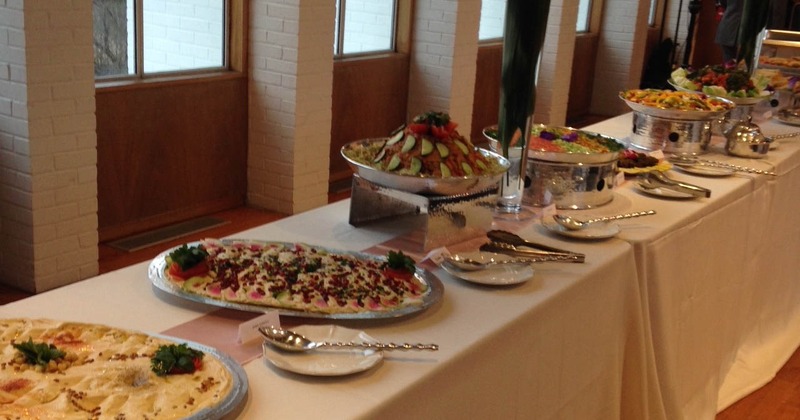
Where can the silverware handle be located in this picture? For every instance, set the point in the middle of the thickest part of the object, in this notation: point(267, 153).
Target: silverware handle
point(622, 216)
point(380, 346)
point(785, 136)
point(736, 167)
point(533, 255)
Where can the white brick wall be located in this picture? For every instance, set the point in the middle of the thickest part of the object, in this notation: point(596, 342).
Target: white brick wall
point(48, 175)
point(555, 69)
point(443, 58)
point(290, 103)
point(620, 57)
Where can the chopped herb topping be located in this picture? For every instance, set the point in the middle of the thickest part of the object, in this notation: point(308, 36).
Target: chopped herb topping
point(39, 353)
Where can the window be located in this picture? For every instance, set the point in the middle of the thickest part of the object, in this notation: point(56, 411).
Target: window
point(143, 37)
point(584, 15)
point(493, 13)
point(364, 26)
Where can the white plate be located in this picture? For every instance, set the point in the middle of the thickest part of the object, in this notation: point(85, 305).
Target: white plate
point(599, 230)
point(705, 170)
point(788, 116)
point(496, 275)
point(663, 192)
point(326, 362)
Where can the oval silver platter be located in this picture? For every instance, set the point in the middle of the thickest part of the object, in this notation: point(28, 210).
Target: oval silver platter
point(157, 268)
point(678, 114)
point(238, 389)
point(453, 185)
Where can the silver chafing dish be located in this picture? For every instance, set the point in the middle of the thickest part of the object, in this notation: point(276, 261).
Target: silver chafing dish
point(570, 180)
point(680, 132)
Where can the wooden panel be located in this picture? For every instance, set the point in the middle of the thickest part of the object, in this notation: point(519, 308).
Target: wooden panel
point(582, 79)
point(704, 49)
point(167, 152)
point(370, 96)
point(486, 103)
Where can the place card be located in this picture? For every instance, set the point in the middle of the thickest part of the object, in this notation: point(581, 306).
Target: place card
point(658, 154)
point(437, 255)
point(549, 211)
point(619, 178)
point(248, 330)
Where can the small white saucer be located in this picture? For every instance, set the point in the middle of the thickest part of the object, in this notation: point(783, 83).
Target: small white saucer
point(599, 230)
point(326, 362)
point(705, 170)
point(495, 275)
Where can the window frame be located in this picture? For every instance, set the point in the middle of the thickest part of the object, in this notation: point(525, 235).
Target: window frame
point(138, 38)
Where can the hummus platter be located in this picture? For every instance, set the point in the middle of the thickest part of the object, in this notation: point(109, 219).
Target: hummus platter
point(426, 156)
point(70, 370)
point(295, 279)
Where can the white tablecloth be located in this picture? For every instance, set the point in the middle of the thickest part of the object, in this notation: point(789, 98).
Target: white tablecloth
point(677, 317)
point(719, 277)
point(567, 344)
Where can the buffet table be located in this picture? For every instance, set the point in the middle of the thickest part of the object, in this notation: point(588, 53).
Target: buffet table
point(677, 317)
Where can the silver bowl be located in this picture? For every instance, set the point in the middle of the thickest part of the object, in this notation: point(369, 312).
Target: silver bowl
point(419, 184)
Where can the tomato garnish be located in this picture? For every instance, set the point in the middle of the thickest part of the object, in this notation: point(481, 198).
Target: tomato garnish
point(418, 128)
point(395, 273)
point(195, 271)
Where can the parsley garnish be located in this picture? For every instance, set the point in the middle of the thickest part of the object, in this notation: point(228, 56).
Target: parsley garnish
point(399, 261)
point(187, 257)
point(38, 353)
point(175, 358)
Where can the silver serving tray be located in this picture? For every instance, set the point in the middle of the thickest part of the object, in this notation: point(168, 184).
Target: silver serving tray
point(566, 157)
point(678, 114)
point(157, 268)
point(453, 185)
point(238, 387)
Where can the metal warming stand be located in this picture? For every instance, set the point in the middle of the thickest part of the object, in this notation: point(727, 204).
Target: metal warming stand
point(447, 219)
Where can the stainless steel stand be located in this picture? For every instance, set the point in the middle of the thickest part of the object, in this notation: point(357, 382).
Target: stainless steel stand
point(447, 219)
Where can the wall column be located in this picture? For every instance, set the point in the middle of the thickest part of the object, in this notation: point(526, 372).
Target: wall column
point(290, 91)
point(444, 55)
point(48, 156)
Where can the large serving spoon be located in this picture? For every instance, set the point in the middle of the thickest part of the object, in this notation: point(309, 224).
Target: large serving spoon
point(468, 264)
point(575, 224)
point(292, 341)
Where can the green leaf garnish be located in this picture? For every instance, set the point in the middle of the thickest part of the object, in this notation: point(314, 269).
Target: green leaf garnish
point(38, 353)
point(399, 261)
point(175, 359)
point(187, 257)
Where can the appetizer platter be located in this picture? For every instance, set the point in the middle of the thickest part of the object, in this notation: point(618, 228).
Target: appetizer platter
point(295, 279)
point(679, 105)
point(724, 82)
point(632, 162)
point(426, 156)
point(70, 370)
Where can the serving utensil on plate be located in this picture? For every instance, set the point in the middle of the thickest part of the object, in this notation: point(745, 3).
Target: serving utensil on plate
point(291, 341)
point(462, 263)
point(652, 180)
point(684, 161)
point(539, 256)
point(575, 224)
point(516, 240)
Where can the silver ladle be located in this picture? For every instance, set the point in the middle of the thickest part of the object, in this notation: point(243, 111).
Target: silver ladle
point(292, 341)
point(575, 224)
